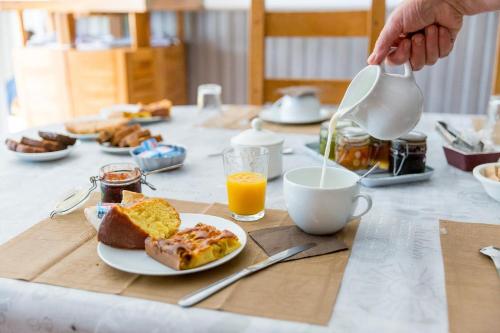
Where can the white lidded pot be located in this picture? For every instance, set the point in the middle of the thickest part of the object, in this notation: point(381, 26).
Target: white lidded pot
point(259, 137)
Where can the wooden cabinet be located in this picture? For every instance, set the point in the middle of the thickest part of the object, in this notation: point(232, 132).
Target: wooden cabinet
point(59, 83)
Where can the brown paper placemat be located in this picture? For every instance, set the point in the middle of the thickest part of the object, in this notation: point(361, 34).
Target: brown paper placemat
point(63, 252)
point(240, 117)
point(274, 240)
point(472, 283)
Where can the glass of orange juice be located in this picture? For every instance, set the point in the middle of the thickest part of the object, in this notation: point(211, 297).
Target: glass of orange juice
point(246, 181)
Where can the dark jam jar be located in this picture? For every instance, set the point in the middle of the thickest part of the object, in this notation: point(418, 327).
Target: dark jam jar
point(408, 154)
point(115, 178)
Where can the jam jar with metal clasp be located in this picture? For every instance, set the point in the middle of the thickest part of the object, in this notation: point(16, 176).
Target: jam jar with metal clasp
point(352, 148)
point(408, 154)
point(380, 152)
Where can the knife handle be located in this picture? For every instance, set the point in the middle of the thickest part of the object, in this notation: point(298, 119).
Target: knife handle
point(203, 293)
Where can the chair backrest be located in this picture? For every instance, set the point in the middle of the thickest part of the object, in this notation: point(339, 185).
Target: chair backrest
point(495, 86)
point(264, 24)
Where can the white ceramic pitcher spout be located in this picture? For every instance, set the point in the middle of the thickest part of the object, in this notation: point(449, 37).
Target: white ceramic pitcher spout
point(386, 105)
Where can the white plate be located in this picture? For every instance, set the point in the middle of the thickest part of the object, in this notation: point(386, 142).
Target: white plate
point(138, 262)
point(105, 147)
point(119, 108)
point(273, 115)
point(43, 157)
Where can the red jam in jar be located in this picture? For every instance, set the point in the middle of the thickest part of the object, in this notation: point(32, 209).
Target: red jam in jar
point(117, 177)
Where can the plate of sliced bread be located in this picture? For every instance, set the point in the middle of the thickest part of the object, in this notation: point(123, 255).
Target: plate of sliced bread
point(49, 147)
point(148, 236)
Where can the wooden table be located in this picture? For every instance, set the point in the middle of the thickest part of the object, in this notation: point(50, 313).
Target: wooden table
point(394, 281)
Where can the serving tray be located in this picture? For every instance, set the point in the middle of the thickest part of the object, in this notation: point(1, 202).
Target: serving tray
point(378, 177)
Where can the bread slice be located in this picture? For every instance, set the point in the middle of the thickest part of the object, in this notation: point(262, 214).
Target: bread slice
point(127, 226)
point(192, 247)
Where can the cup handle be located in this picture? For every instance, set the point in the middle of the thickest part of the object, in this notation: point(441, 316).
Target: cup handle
point(369, 204)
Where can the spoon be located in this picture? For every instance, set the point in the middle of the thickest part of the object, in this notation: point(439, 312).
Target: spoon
point(369, 171)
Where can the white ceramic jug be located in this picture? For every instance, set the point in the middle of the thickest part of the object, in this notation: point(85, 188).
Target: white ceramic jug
point(386, 105)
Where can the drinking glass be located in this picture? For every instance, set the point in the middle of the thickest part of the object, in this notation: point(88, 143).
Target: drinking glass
point(246, 180)
point(209, 97)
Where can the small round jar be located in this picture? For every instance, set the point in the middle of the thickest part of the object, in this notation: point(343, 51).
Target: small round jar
point(117, 177)
point(408, 154)
point(380, 152)
point(323, 136)
point(352, 148)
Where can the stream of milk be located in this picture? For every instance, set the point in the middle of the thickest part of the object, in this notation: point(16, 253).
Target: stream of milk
point(341, 111)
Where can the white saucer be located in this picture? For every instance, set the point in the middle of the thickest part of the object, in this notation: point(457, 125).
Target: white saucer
point(273, 115)
point(44, 157)
point(138, 262)
point(84, 137)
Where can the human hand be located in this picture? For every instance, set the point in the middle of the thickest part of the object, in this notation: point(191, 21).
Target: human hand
point(422, 31)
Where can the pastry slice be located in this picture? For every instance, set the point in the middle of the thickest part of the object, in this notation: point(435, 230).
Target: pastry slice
point(127, 226)
point(192, 247)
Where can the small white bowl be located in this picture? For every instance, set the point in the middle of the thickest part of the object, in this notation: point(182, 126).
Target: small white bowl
point(491, 186)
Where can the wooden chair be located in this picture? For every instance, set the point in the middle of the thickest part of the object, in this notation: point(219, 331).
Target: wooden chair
point(495, 85)
point(263, 24)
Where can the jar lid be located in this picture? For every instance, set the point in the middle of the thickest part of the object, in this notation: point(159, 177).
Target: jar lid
point(340, 124)
point(413, 136)
point(256, 136)
point(354, 134)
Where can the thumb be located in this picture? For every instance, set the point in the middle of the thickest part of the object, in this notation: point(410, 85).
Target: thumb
point(390, 34)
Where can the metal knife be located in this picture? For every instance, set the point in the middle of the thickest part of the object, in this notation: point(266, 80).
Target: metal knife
point(203, 293)
point(494, 253)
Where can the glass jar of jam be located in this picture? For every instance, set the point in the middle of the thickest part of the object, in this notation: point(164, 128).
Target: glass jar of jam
point(323, 136)
point(352, 148)
point(408, 154)
point(115, 178)
point(380, 152)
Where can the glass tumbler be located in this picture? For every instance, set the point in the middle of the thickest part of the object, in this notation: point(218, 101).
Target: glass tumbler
point(209, 97)
point(246, 181)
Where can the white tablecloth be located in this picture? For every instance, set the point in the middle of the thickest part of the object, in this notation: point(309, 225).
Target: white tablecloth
point(394, 281)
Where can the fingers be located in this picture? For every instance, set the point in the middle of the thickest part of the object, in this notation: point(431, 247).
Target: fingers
point(418, 52)
point(445, 42)
point(431, 45)
point(401, 55)
point(389, 35)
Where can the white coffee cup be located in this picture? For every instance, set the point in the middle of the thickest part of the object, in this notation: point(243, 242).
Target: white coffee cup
point(322, 211)
point(298, 108)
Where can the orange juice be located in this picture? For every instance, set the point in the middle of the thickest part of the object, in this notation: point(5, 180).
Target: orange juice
point(246, 192)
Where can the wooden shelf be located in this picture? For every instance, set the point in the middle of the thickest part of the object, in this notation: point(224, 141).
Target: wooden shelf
point(100, 6)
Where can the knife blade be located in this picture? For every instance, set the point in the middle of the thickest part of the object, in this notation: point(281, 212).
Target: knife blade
point(494, 253)
point(201, 294)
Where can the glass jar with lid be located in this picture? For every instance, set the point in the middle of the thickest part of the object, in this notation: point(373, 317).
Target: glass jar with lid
point(323, 136)
point(352, 148)
point(408, 154)
point(380, 152)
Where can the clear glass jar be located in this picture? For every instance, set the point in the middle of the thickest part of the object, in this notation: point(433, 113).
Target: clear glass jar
point(323, 136)
point(380, 152)
point(117, 177)
point(352, 148)
point(408, 154)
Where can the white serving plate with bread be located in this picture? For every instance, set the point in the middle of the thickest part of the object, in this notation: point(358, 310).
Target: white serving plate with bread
point(45, 157)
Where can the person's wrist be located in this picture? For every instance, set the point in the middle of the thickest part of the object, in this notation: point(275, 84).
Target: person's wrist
point(472, 7)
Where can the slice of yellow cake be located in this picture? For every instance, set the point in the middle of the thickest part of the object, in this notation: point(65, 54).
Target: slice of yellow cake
point(192, 247)
point(128, 225)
